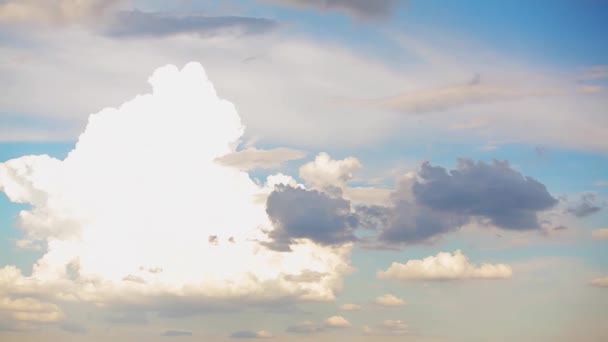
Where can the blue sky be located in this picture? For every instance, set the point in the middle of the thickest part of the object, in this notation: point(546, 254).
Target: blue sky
point(303, 170)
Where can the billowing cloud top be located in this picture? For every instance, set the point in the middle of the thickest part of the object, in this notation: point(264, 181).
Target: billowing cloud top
point(140, 206)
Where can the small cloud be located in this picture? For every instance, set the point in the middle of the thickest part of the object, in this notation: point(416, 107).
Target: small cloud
point(306, 327)
point(445, 266)
point(73, 327)
point(252, 158)
point(388, 327)
point(361, 9)
point(600, 183)
point(176, 333)
point(389, 300)
point(248, 334)
point(600, 282)
point(350, 307)
point(586, 206)
point(337, 322)
point(134, 279)
point(600, 233)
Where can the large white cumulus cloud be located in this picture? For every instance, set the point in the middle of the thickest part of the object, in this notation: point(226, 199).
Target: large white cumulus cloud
point(140, 207)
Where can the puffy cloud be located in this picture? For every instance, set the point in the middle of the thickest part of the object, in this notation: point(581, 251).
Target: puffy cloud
point(600, 233)
point(143, 177)
point(350, 307)
point(252, 158)
point(389, 300)
point(587, 205)
point(142, 24)
point(251, 334)
point(600, 282)
point(494, 191)
point(357, 8)
point(445, 266)
point(324, 172)
point(53, 12)
point(26, 313)
point(176, 333)
point(337, 322)
point(309, 214)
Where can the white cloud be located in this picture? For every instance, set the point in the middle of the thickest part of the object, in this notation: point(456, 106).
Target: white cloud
point(600, 282)
point(337, 322)
point(445, 266)
point(252, 158)
point(389, 300)
point(325, 172)
point(142, 178)
point(600, 233)
point(350, 307)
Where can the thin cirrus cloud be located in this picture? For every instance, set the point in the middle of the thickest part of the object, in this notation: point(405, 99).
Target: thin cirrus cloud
point(444, 266)
point(387, 327)
point(176, 333)
point(249, 334)
point(253, 158)
point(143, 24)
point(56, 12)
point(80, 214)
point(357, 8)
point(454, 96)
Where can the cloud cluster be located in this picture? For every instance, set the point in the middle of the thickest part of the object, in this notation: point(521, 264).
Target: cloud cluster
point(140, 213)
point(445, 266)
point(324, 172)
point(435, 201)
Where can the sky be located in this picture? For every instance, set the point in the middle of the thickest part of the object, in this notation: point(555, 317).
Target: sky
point(303, 170)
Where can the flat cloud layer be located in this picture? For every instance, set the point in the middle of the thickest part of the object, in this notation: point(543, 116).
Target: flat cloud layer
point(139, 210)
point(444, 266)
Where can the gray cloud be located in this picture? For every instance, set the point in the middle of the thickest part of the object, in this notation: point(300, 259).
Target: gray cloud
point(298, 213)
point(253, 158)
point(176, 333)
point(494, 191)
point(439, 201)
point(357, 8)
point(75, 328)
point(586, 206)
point(143, 24)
